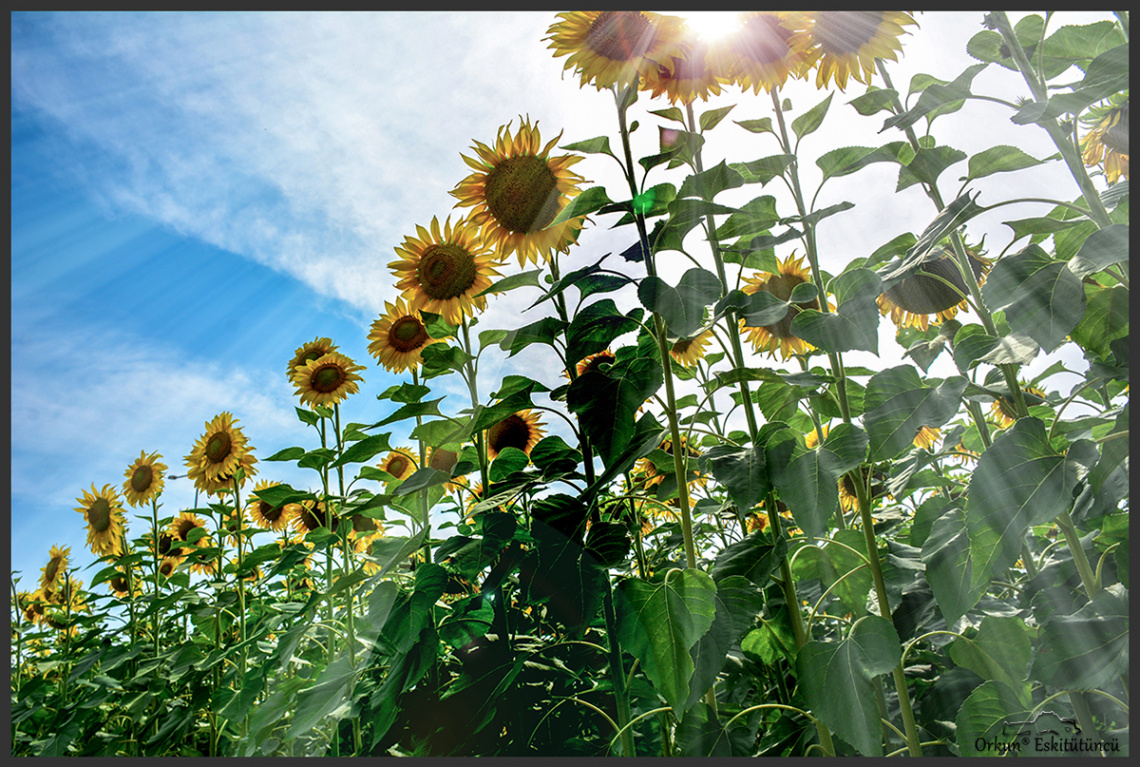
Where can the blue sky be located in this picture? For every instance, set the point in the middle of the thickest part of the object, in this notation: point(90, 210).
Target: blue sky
point(196, 195)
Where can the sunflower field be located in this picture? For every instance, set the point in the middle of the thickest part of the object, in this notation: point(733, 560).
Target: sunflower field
point(787, 511)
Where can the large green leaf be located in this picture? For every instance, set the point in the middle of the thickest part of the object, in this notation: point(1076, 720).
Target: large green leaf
point(543, 331)
point(999, 159)
point(1102, 249)
point(983, 719)
point(606, 404)
point(681, 307)
point(1105, 320)
point(329, 692)
point(700, 734)
point(949, 566)
point(837, 680)
point(594, 329)
point(742, 471)
point(711, 182)
point(361, 451)
point(765, 169)
point(806, 483)
point(928, 165)
point(412, 611)
point(1000, 651)
point(753, 557)
point(928, 247)
point(589, 201)
point(1020, 481)
point(897, 404)
point(738, 602)
point(853, 325)
point(1040, 297)
point(834, 563)
point(659, 622)
point(1087, 649)
point(810, 120)
point(935, 97)
point(847, 160)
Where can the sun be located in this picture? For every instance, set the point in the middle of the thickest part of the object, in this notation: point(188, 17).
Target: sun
point(711, 25)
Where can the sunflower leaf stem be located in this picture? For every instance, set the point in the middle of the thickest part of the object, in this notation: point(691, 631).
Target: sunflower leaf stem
point(662, 345)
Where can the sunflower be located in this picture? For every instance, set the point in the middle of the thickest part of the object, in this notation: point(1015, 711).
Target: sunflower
point(1107, 143)
point(308, 515)
point(445, 460)
point(594, 362)
point(265, 515)
point(70, 600)
point(398, 337)
point(691, 75)
point(32, 605)
point(122, 584)
point(611, 48)
point(651, 476)
point(144, 479)
point(757, 521)
point(179, 531)
point(688, 350)
point(763, 52)
point(52, 579)
point(912, 300)
point(318, 347)
point(365, 530)
point(926, 437)
point(399, 463)
point(779, 335)
point(522, 430)
point(168, 565)
point(218, 452)
point(1004, 411)
point(327, 380)
point(234, 520)
point(517, 189)
point(103, 513)
point(846, 43)
point(225, 482)
point(444, 271)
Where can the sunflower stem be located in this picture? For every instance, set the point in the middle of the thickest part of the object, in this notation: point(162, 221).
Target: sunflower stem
point(572, 374)
point(154, 567)
point(472, 388)
point(241, 596)
point(426, 521)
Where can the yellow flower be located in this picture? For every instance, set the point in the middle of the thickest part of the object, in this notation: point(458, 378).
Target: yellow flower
point(926, 437)
point(32, 605)
point(522, 430)
point(144, 479)
point(763, 52)
point(52, 579)
point(444, 271)
point(845, 44)
point(650, 474)
point(180, 529)
point(1004, 411)
point(445, 460)
point(308, 515)
point(218, 454)
point(688, 350)
point(757, 521)
point(1107, 144)
point(399, 463)
point(327, 380)
point(613, 48)
point(72, 600)
point(517, 189)
point(594, 362)
point(779, 335)
point(691, 74)
point(123, 584)
point(318, 347)
point(266, 516)
point(168, 565)
point(915, 298)
point(398, 338)
point(365, 530)
point(103, 512)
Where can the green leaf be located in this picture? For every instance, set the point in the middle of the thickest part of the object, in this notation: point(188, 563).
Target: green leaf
point(709, 183)
point(737, 602)
point(510, 282)
point(437, 326)
point(589, 201)
point(405, 393)
point(809, 121)
point(329, 692)
point(770, 642)
point(670, 113)
point(1037, 228)
point(1001, 651)
point(712, 117)
point(315, 459)
point(658, 623)
point(543, 331)
point(413, 409)
point(1105, 320)
point(606, 404)
point(1040, 297)
point(935, 97)
point(805, 483)
point(1014, 349)
point(752, 557)
point(755, 216)
point(742, 471)
point(847, 160)
point(599, 145)
point(928, 165)
point(837, 680)
point(874, 100)
point(982, 720)
point(421, 479)
point(765, 169)
point(595, 328)
point(1020, 481)
point(413, 611)
point(763, 125)
point(700, 734)
point(288, 454)
point(363, 450)
point(510, 460)
point(928, 247)
point(1087, 650)
point(1000, 159)
point(307, 416)
point(897, 405)
point(469, 619)
point(681, 307)
point(854, 325)
point(1102, 249)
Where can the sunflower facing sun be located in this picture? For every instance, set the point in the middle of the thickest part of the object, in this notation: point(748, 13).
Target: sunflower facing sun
point(779, 335)
point(763, 52)
point(327, 380)
point(318, 347)
point(444, 271)
point(691, 75)
point(218, 453)
point(264, 514)
point(517, 190)
point(144, 479)
point(399, 463)
point(845, 44)
point(398, 337)
point(522, 430)
point(103, 512)
point(614, 48)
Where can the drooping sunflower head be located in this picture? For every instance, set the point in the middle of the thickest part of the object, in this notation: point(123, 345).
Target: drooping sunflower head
point(1004, 411)
point(614, 48)
point(60, 612)
point(1107, 143)
point(926, 437)
point(327, 380)
point(264, 514)
point(398, 337)
point(695, 73)
point(318, 347)
point(522, 430)
point(764, 52)
point(936, 288)
point(399, 463)
point(844, 44)
point(144, 479)
point(32, 605)
point(218, 452)
point(444, 271)
point(52, 579)
point(779, 335)
point(104, 515)
point(688, 350)
point(594, 362)
point(517, 190)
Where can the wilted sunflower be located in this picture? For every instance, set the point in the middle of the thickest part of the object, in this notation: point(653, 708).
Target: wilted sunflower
point(845, 44)
point(218, 452)
point(180, 529)
point(611, 48)
point(52, 579)
point(763, 52)
point(1107, 143)
point(912, 300)
point(688, 350)
point(398, 338)
point(103, 512)
point(327, 380)
point(267, 516)
point(443, 271)
point(399, 463)
point(318, 347)
point(1004, 411)
point(692, 74)
point(522, 430)
point(144, 479)
point(594, 362)
point(517, 189)
point(779, 335)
